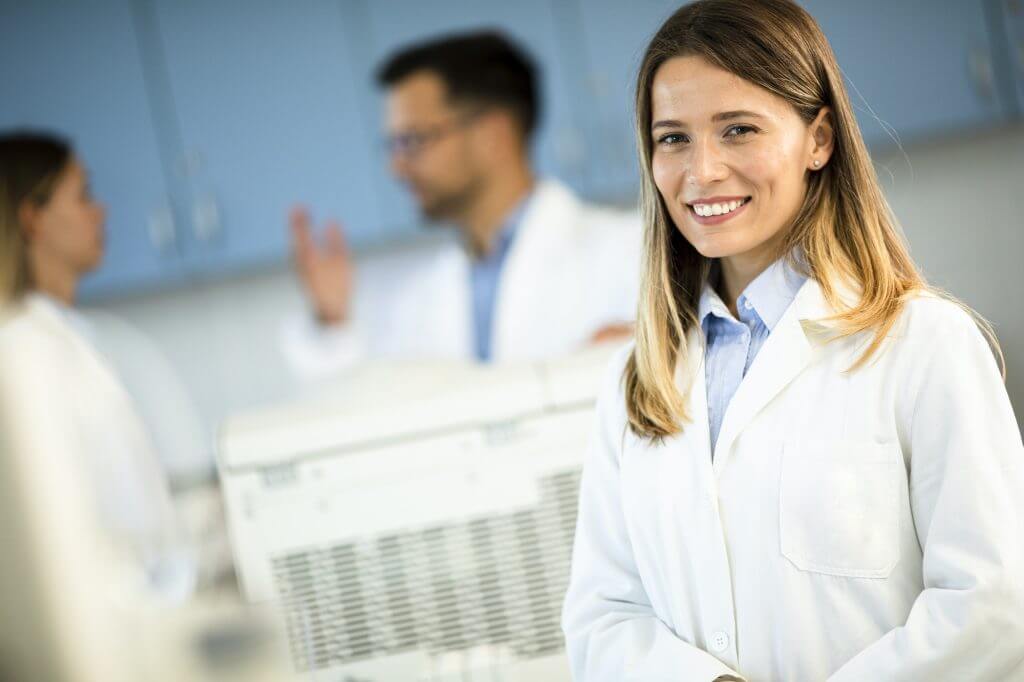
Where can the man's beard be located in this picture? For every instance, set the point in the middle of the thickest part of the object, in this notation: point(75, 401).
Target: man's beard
point(452, 205)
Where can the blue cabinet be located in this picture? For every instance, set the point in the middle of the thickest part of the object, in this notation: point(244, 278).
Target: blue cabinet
point(266, 116)
point(917, 67)
point(1006, 18)
point(203, 122)
point(74, 68)
point(613, 36)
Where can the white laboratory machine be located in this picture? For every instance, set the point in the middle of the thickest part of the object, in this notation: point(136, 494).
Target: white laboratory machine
point(416, 522)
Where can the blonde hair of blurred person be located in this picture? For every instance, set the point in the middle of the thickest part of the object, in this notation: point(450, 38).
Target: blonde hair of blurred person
point(52, 232)
point(858, 514)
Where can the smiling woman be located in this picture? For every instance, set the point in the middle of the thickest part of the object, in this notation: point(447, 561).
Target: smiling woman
point(807, 467)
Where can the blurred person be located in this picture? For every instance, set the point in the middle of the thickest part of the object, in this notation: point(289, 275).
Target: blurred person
point(807, 466)
point(52, 233)
point(531, 270)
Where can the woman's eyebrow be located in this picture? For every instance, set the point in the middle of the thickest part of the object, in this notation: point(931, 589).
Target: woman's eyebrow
point(720, 116)
point(740, 113)
point(666, 124)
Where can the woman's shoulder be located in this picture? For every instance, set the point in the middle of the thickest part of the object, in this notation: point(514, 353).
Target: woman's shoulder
point(24, 322)
point(27, 330)
point(616, 368)
point(929, 314)
point(935, 330)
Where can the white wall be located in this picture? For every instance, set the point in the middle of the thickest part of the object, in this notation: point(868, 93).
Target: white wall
point(961, 202)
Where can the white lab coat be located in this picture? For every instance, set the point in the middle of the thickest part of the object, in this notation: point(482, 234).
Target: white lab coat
point(116, 457)
point(852, 527)
point(572, 269)
point(156, 391)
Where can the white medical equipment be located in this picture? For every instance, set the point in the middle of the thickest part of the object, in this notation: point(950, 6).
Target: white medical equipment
point(417, 524)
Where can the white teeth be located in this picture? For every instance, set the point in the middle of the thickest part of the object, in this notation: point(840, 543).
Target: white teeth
point(706, 210)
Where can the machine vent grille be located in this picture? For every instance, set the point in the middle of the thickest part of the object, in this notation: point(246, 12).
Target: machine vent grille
point(493, 580)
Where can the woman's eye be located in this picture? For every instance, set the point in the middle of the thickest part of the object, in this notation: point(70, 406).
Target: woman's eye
point(671, 139)
point(739, 131)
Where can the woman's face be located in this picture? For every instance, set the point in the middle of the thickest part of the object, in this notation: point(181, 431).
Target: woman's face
point(730, 159)
point(67, 231)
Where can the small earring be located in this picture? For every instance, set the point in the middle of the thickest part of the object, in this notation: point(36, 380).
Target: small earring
point(817, 163)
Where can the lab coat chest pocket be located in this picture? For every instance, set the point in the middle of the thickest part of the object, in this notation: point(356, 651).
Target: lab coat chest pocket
point(839, 507)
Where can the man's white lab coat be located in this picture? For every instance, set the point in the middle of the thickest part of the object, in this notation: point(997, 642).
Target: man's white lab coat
point(572, 269)
point(851, 527)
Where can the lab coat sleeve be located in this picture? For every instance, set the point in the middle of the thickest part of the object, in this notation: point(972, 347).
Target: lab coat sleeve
point(967, 498)
point(314, 351)
point(612, 633)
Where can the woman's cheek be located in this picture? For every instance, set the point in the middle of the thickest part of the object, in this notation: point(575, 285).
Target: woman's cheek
point(664, 176)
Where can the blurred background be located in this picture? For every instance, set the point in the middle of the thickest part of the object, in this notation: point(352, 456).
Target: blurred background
point(203, 122)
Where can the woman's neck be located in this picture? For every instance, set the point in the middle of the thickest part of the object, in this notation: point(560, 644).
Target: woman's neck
point(57, 283)
point(737, 272)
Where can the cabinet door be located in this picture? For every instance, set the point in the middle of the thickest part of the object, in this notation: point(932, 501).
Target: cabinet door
point(74, 68)
point(264, 98)
point(919, 67)
point(614, 36)
point(1006, 18)
point(394, 24)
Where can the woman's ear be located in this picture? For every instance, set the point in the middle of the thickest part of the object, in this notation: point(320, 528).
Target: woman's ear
point(822, 132)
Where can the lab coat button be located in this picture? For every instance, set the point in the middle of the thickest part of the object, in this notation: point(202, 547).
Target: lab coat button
point(720, 641)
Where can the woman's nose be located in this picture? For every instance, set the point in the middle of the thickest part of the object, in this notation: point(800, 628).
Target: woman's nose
point(706, 165)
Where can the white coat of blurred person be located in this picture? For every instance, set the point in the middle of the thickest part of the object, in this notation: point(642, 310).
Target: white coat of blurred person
point(51, 235)
point(530, 271)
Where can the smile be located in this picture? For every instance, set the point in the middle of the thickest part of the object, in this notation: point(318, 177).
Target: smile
point(711, 212)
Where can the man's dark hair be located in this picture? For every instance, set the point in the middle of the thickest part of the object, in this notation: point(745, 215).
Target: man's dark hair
point(481, 68)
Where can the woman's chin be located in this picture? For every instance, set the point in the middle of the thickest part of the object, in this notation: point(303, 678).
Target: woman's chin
point(716, 246)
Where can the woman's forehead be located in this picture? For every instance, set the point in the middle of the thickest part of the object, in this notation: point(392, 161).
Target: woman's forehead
point(691, 89)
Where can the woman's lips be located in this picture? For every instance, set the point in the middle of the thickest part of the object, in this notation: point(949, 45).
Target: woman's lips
point(717, 219)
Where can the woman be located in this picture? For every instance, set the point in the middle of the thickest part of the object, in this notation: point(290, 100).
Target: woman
point(51, 234)
point(807, 466)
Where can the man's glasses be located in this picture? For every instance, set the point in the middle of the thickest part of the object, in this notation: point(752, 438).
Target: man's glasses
point(412, 143)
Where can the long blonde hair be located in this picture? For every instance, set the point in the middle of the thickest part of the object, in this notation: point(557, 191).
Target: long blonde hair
point(844, 229)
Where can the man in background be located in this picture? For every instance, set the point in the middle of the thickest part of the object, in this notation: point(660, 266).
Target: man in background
point(529, 271)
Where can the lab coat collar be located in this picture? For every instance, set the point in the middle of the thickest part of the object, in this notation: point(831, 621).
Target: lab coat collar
point(770, 293)
point(789, 349)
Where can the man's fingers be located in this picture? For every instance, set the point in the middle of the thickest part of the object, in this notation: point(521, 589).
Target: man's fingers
point(335, 239)
point(302, 235)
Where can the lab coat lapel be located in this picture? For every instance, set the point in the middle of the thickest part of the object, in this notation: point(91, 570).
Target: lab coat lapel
point(698, 431)
point(785, 354)
point(685, 456)
point(694, 439)
point(531, 273)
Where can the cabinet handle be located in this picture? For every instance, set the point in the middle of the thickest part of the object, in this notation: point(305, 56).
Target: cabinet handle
point(206, 218)
point(979, 66)
point(161, 229)
point(190, 163)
